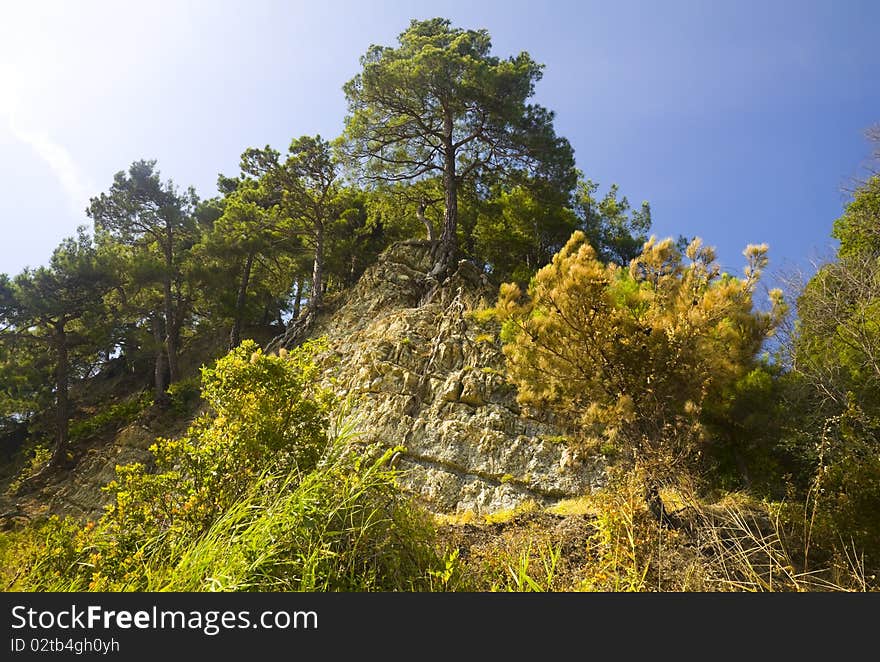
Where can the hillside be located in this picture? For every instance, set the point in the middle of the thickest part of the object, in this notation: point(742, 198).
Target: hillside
point(417, 372)
point(416, 369)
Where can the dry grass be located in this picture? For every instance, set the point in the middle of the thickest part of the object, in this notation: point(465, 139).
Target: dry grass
point(610, 542)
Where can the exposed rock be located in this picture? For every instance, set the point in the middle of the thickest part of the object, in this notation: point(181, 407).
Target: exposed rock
point(421, 372)
point(83, 495)
point(78, 492)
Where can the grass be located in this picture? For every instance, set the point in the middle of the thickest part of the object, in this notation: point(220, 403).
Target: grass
point(521, 576)
point(608, 541)
point(735, 544)
point(344, 526)
point(331, 531)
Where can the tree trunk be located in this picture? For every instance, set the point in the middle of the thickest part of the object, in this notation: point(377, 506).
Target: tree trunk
point(429, 227)
point(297, 301)
point(235, 334)
point(450, 186)
point(743, 468)
point(129, 349)
point(655, 502)
point(447, 250)
point(171, 325)
point(62, 408)
point(658, 509)
point(160, 396)
point(318, 268)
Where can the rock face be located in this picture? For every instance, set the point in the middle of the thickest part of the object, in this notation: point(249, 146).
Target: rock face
point(419, 370)
point(81, 495)
point(77, 492)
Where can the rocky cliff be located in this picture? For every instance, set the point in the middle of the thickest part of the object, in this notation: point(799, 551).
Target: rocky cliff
point(421, 371)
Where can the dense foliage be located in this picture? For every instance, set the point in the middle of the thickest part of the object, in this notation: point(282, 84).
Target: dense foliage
point(634, 354)
point(441, 106)
point(834, 379)
point(259, 494)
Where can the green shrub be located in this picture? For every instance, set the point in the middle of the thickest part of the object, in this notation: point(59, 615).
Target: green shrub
point(344, 527)
point(845, 499)
point(184, 395)
point(257, 495)
point(118, 414)
point(37, 458)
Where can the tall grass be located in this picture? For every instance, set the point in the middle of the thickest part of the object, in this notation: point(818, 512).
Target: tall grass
point(737, 544)
point(345, 526)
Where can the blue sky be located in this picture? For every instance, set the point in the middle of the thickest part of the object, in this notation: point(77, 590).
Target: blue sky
point(740, 122)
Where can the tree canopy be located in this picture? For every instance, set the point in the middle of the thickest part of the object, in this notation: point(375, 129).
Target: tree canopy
point(155, 222)
point(60, 308)
point(441, 105)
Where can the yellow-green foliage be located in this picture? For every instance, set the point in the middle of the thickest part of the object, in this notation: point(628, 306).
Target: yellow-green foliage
point(481, 316)
point(39, 457)
point(527, 506)
point(624, 541)
point(632, 353)
point(257, 495)
point(264, 410)
point(582, 505)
